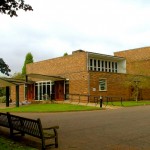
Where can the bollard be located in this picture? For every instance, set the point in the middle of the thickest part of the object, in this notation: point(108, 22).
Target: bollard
point(101, 101)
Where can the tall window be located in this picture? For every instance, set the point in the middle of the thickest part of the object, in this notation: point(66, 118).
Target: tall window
point(95, 66)
point(106, 66)
point(112, 66)
point(43, 90)
point(109, 66)
point(116, 67)
point(91, 64)
point(102, 85)
point(101, 65)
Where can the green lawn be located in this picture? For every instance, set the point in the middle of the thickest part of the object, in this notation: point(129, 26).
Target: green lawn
point(8, 144)
point(128, 103)
point(69, 107)
point(49, 108)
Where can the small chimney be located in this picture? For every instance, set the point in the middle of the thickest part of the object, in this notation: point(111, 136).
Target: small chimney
point(78, 51)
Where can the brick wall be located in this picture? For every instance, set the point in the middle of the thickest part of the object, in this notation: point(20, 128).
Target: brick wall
point(115, 85)
point(138, 60)
point(21, 93)
point(118, 85)
point(61, 65)
point(78, 83)
point(135, 54)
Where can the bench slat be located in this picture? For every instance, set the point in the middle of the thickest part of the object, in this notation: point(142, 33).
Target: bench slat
point(22, 125)
point(34, 128)
point(4, 120)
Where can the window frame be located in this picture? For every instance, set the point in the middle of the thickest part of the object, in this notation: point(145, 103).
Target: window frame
point(104, 79)
point(101, 65)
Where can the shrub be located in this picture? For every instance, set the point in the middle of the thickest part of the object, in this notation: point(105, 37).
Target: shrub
point(2, 99)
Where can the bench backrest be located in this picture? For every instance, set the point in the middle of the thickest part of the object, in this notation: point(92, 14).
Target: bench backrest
point(4, 120)
point(26, 125)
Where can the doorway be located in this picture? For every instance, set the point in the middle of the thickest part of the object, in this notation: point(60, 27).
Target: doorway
point(59, 90)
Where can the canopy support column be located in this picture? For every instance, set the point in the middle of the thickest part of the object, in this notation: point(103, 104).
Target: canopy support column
point(7, 96)
point(17, 95)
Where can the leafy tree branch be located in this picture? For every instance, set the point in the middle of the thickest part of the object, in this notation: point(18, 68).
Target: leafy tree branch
point(10, 7)
point(4, 68)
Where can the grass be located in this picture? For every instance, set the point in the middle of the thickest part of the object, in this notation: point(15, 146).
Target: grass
point(49, 108)
point(128, 103)
point(12, 145)
point(68, 107)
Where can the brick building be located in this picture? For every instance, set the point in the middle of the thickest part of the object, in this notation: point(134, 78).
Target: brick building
point(87, 73)
point(138, 60)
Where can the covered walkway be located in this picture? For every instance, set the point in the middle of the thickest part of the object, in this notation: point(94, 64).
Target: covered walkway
point(7, 83)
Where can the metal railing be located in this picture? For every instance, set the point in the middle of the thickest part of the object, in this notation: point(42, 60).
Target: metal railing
point(101, 100)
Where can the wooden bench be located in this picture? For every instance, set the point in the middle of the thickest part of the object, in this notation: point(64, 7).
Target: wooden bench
point(4, 122)
point(22, 126)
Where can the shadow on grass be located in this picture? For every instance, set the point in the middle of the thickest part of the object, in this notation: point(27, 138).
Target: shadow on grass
point(17, 143)
point(7, 143)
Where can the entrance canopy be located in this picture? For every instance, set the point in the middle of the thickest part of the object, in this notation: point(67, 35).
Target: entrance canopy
point(46, 77)
point(7, 82)
point(11, 82)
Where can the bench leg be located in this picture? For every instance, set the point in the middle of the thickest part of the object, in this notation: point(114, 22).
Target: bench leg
point(56, 138)
point(12, 133)
point(43, 144)
point(22, 134)
point(56, 142)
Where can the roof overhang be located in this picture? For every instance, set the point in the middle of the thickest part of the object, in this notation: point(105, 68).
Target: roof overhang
point(106, 57)
point(46, 77)
point(11, 82)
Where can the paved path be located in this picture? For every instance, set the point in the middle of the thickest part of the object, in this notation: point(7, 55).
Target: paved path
point(116, 129)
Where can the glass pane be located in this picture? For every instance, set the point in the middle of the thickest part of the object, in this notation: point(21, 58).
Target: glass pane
point(48, 92)
point(36, 92)
point(112, 66)
point(102, 84)
point(102, 65)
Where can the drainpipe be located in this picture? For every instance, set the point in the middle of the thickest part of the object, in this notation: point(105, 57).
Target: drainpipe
point(26, 88)
point(88, 74)
point(64, 91)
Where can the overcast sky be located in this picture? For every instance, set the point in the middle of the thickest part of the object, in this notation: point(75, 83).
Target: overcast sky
point(59, 26)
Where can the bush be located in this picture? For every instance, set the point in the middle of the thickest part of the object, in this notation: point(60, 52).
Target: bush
point(2, 99)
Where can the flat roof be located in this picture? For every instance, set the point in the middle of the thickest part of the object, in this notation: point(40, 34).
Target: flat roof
point(11, 82)
point(109, 57)
point(46, 77)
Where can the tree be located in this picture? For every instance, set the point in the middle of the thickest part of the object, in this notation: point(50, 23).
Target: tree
point(65, 54)
point(2, 91)
point(28, 60)
point(18, 75)
point(136, 84)
point(4, 68)
point(10, 7)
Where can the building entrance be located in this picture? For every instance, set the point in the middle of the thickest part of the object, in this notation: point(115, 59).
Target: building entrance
point(59, 90)
point(44, 90)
